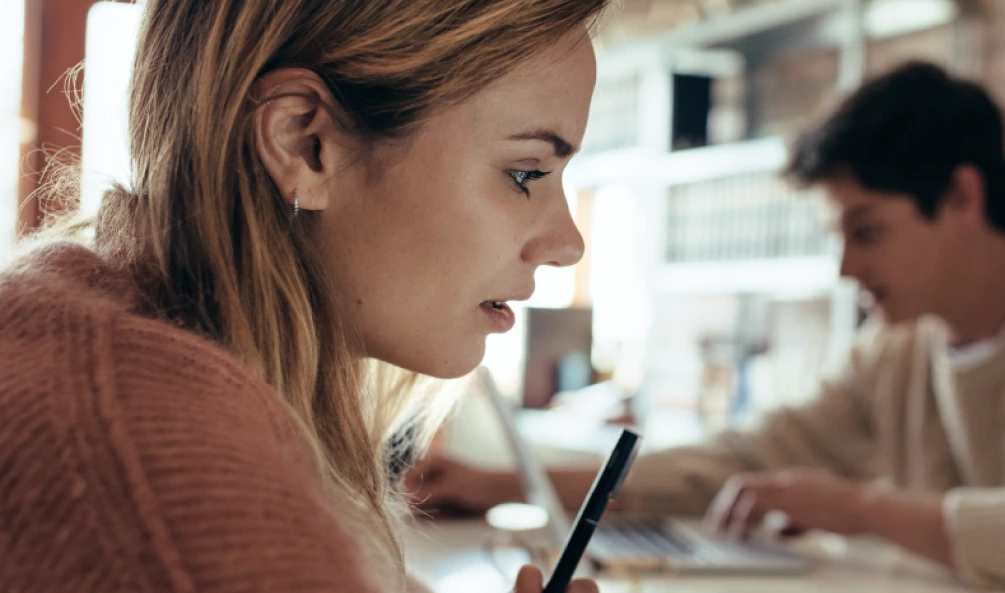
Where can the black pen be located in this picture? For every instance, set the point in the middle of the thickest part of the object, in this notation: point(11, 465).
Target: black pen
point(605, 488)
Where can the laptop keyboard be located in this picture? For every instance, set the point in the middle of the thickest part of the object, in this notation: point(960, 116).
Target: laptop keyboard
point(635, 540)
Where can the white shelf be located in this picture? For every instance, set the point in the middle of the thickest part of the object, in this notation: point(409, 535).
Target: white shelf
point(752, 21)
point(804, 276)
point(675, 168)
point(741, 24)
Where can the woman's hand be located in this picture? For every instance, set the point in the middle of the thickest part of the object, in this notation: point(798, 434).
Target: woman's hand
point(530, 580)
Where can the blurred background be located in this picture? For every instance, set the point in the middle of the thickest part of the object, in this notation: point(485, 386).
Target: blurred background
point(709, 293)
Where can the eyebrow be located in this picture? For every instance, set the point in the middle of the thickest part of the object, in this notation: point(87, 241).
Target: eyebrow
point(563, 148)
point(856, 214)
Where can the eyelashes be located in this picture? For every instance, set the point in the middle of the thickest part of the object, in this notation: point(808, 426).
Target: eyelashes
point(522, 178)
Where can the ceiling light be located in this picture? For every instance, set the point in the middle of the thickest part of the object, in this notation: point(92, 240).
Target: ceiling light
point(890, 18)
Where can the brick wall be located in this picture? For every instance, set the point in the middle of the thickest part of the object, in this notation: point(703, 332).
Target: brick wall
point(992, 40)
point(934, 45)
point(791, 88)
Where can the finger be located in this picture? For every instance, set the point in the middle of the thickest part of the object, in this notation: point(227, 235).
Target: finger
point(583, 586)
point(419, 473)
point(717, 516)
point(428, 500)
point(428, 486)
point(529, 580)
point(426, 495)
point(793, 530)
point(744, 513)
point(788, 527)
point(412, 481)
point(417, 481)
point(428, 467)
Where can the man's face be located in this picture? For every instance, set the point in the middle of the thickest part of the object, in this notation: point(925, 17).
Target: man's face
point(906, 262)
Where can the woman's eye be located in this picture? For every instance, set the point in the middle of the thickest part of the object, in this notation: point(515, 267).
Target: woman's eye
point(522, 178)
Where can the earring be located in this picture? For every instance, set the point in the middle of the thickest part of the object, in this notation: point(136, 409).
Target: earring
point(296, 203)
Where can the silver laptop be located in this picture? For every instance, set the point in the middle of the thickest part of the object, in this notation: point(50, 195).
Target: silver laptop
point(663, 545)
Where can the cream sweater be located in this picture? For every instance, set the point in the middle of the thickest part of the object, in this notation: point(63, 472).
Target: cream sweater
point(898, 413)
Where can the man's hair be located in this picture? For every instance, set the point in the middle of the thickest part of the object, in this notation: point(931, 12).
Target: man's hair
point(907, 132)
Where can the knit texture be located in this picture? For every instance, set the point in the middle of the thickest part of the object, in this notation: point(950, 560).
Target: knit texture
point(897, 414)
point(138, 457)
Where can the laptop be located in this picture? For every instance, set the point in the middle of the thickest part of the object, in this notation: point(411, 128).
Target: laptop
point(638, 545)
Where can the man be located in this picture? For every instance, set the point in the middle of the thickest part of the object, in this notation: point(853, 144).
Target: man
point(908, 441)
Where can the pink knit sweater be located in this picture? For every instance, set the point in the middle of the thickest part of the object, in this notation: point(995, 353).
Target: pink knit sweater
point(138, 457)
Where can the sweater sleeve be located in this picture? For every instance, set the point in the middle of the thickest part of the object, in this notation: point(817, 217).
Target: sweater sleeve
point(833, 432)
point(975, 522)
point(214, 474)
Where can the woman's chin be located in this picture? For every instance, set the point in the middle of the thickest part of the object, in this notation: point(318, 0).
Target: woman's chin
point(448, 365)
point(454, 369)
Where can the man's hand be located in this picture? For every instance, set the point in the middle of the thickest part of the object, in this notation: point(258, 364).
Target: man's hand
point(438, 483)
point(811, 499)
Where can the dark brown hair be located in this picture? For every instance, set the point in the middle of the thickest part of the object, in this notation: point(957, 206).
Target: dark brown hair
point(907, 132)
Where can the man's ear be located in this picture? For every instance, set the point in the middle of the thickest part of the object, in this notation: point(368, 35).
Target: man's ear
point(296, 137)
point(968, 194)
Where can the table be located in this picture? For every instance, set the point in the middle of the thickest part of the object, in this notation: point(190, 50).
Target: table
point(447, 556)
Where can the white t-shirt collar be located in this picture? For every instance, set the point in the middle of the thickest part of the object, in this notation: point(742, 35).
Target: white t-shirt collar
point(962, 358)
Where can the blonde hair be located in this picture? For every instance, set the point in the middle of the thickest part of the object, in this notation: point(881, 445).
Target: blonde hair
point(213, 244)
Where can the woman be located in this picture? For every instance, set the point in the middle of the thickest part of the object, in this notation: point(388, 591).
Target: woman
point(186, 404)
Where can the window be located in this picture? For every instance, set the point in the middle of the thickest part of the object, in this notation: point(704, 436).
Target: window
point(11, 132)
point(112, 30)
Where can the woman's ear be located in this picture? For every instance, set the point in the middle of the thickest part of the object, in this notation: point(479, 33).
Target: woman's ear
point(296, 137)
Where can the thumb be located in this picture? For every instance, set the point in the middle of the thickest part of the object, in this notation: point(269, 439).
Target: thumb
point(427, 462)
point(430, 494)
point(429, 501)
point(530, 580)
point(423, 472)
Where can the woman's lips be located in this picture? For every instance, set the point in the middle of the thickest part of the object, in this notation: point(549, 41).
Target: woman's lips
point(500, 316)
